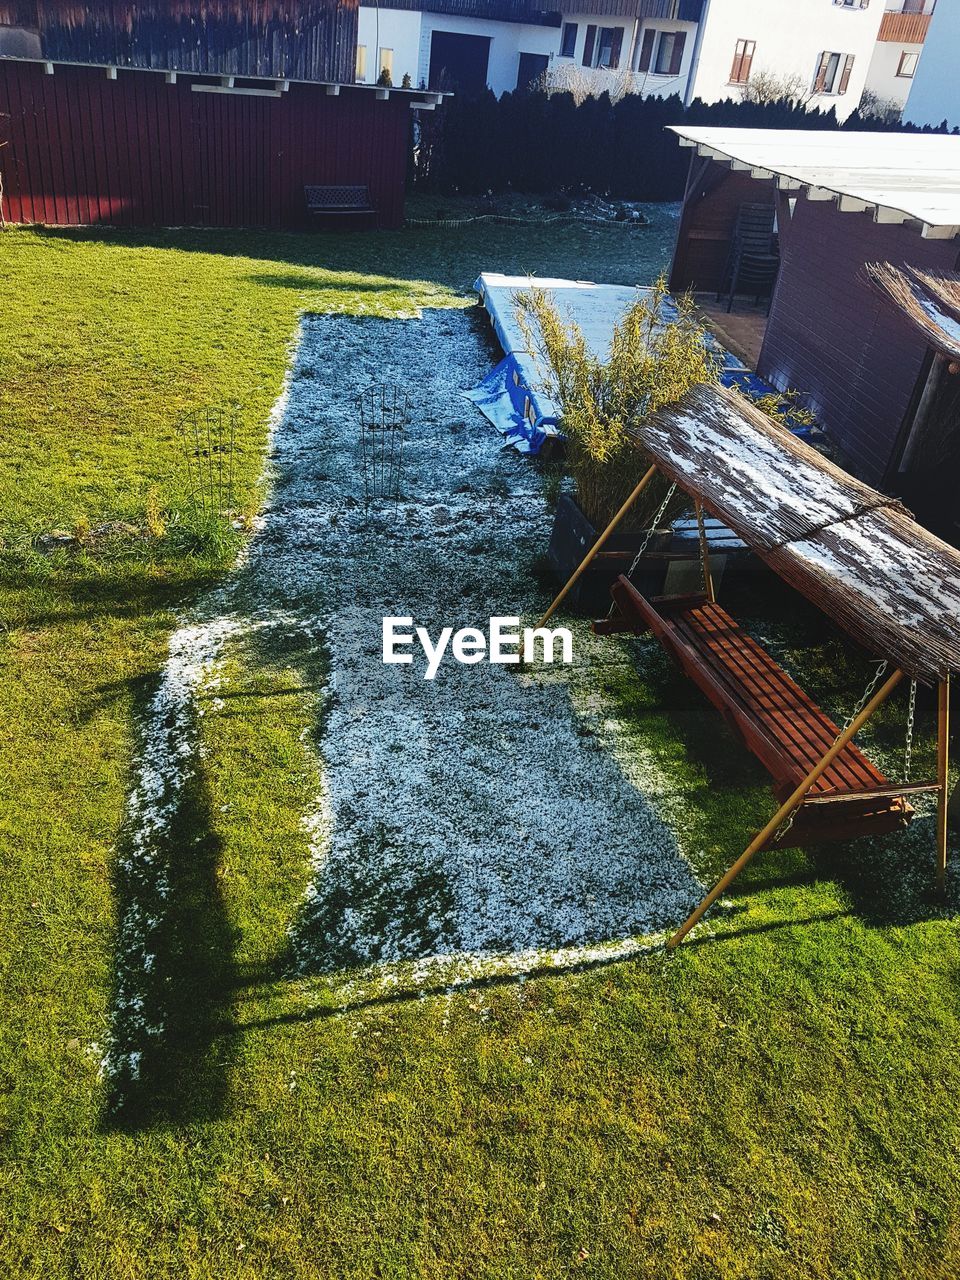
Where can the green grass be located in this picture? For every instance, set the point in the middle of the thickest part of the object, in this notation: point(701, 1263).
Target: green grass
point(777, 1099)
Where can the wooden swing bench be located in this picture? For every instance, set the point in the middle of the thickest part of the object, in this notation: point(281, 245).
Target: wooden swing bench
point(771, 715)
point(889, 584)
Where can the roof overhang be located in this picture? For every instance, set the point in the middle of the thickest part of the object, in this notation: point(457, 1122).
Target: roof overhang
point(897, 177)
point(244, 85)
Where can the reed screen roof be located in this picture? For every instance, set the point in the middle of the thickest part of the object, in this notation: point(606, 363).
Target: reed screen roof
point(930, 301)
point(856, 554)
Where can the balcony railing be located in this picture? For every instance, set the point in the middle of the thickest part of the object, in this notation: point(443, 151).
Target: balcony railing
point(904, 28)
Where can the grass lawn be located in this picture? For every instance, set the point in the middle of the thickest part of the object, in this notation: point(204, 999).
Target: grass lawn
point(776, 1099)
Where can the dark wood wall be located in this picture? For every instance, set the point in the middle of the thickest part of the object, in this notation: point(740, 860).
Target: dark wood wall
point(136, 151)
point(303, 39)
point(714, 195)
point(835, 338)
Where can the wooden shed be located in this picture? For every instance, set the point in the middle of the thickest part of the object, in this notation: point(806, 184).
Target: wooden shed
point(181, 113)
point(843, 200)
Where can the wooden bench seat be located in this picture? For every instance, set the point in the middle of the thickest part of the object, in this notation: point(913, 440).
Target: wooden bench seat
point(773, 717)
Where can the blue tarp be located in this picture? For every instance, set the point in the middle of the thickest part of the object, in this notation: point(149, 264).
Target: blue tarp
point(511, 397)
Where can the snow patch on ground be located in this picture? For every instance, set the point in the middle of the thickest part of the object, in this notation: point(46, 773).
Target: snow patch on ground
point(480, 823)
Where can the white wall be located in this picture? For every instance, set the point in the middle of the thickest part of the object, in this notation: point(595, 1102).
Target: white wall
point(399, 30)
point(626, 25)
point(663, 86)
point(882, 78)
point(935, 93)
point(507, 41)
point(790, 35)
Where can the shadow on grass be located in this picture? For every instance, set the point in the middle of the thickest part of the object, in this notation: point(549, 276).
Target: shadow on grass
point(168, 1059)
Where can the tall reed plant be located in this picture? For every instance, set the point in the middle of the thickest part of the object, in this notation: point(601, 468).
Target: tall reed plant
point(659, 350)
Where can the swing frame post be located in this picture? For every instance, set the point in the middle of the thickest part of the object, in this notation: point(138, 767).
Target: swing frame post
point(787, 807)
point(943, 779)
point(591, 554)
point(704, 553)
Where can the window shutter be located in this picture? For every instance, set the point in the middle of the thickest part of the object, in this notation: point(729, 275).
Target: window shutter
point(748, 60)
point(679, 40)
point(820, 82)
point(616, 44)
point(646, 49)
point(735, 70)
point(588, 42)
point(845, 73)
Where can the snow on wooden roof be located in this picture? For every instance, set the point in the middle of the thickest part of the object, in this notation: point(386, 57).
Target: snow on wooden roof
point(930, 302)
point(899, 177)
point(856, 554)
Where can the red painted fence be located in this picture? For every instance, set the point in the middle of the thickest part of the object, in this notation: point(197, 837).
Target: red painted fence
point(137, 151)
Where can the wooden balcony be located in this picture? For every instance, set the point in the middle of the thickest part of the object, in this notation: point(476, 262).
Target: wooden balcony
point(904, 28)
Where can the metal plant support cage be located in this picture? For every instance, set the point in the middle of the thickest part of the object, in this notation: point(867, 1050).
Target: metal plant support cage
point(384, 414)
point(209, 436)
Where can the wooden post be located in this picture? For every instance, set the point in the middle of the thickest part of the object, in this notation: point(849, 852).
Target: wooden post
point(704, 553)
point(585, 562)
point(787, 807)
point(943, 778)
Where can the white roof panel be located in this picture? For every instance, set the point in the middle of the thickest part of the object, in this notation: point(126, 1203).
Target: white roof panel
point(899, 176)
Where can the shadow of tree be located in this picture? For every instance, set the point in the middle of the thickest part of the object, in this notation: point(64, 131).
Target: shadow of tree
point(168, 1058)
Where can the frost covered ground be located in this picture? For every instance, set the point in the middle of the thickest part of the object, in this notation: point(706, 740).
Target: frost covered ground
point(484, 818)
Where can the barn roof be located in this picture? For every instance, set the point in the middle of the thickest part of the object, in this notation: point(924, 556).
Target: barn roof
point(856, 554)
point(899, 177)
point(931, 302)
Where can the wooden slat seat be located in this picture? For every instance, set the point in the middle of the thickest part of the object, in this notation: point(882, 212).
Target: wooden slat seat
point(775, 719)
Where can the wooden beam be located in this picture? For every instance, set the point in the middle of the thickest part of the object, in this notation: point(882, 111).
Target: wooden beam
point(943, 772)
point(786, 808)
point(585, 562)
point(704, 553)
point(871, 793)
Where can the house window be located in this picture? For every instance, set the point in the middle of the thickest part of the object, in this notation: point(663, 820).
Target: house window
point(742, 61)
point(386, 62)
point(833, 73)
point(609, 44)
point(568, 41)
point(669, 53)
point(908, 64)
point(361, 62)
point(852, 4)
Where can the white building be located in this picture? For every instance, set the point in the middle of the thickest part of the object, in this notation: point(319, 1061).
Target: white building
point(818, 50)
point(935, 91)
point(896, 57)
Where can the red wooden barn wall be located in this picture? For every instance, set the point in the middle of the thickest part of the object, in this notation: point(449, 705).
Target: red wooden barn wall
point(137, 151)
point(834, 337)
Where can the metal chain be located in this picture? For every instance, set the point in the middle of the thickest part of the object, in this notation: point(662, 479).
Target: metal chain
point(646, 541)
point(788, 821)
point(702, 541)
point(867, 695)
point(655, 524)
point(908, 745)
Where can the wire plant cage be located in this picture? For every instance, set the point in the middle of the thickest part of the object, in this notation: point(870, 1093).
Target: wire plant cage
point(384, 414)
point(209, 435)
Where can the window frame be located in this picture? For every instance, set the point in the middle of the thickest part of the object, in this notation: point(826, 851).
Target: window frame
point(568, 28)
point(904, 55)
point(675, 62)
point(743, 55)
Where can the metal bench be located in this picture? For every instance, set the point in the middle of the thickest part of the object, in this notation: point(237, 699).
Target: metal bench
point(773, 717)
point(335, 200)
